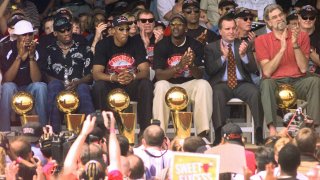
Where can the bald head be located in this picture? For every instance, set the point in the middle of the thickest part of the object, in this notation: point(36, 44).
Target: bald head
point(136, 167)
point(153, 135)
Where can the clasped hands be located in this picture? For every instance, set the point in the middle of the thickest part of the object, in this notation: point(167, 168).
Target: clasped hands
point(186, 60)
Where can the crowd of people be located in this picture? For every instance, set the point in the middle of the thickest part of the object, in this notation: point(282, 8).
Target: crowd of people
point(215, 49)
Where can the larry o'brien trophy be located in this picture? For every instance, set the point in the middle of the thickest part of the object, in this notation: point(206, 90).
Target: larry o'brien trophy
point(22, 102)
point(67, 102)
point(118, 100)
point(177, 99)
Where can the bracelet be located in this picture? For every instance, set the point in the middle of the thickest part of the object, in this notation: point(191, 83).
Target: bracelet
point(110, 78)
point(112, 130)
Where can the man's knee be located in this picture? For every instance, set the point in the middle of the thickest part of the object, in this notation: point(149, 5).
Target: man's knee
point(9, 87)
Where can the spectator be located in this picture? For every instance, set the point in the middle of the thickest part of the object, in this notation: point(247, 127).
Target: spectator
point(192, 143)
point(48, 25)
point(292, 20)
point(136, 167)
point(13, 19)
point(255, 7)
point(289, 161)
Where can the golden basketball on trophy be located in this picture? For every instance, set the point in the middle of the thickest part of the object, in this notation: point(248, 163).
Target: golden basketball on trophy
point(286, 96)
point(22, 103)
point(118, 100)
point(68, 102)
point(177, 99)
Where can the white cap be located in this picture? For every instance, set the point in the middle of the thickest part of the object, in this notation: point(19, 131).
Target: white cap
point(23, 27)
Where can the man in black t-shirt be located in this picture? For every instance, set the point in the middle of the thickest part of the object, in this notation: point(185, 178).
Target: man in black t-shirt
point(120, 62)
point(67, 67)
point(177, 62)
point(191, 11)
point(19, 65)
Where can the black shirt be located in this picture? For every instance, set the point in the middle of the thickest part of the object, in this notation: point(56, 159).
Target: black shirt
point(77, 63)
point(115, 59)
point(211, 36)
point(8, 54)
point(167, 55)
point(315, 44)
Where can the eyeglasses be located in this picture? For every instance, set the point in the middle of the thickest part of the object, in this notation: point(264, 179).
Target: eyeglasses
point(189, 11)
point(247, 18)
point(132, 22)
point(176, 24)
point(151, 20)
point(122, 29)
point(65, 30)
point(27, 34)
point(311, 18)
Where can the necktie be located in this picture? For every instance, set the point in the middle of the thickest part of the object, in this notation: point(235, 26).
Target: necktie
point(232, 78)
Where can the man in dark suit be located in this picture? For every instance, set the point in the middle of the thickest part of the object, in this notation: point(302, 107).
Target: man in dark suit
point(229, 63)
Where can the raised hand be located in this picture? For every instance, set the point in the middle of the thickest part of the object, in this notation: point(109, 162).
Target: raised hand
point(202, 37)
point(243, 48)
point(283, 41)
point(99, 29)
point(224, 50)
point(295, 32)
point(108, 119)
point(88, 125)
point(251, 36)
point(158, 34)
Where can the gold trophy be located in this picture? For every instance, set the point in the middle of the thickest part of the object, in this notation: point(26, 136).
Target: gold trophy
point(118, 100)
point(22, 103)
point(67, 102)
point(177, 100)
point(286, 96)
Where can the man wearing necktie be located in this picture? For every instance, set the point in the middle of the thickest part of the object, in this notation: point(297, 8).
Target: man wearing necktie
point(228, 63)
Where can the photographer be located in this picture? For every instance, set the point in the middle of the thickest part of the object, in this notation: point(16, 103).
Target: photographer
point(70, 163)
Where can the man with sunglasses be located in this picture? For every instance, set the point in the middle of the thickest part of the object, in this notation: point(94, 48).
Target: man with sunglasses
point(178, 62)
point(67, 66)
point(307, 20)
point(228, 63)
point(191, 12)
point(19, 65)
point(120, 62)
point(283, 57)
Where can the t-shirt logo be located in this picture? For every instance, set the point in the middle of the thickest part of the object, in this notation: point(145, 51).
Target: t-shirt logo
point(150, 53)
point(173, 61)
point(120, 62)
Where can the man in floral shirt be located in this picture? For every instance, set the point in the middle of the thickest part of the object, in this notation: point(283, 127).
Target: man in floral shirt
point(67, 67)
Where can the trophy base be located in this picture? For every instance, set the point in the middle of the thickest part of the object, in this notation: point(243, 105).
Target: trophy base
point(128, 121)
point(28, 118)
point(74, 122)
point(182, 123)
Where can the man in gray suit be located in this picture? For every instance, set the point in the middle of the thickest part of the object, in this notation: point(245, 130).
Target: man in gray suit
point(229, 63)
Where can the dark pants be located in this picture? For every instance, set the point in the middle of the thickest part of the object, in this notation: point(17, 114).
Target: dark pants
point(247, 92)
point(85, 102)
point(138, 90)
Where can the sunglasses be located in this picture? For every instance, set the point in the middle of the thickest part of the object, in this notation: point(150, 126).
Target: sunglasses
point(151, 20)
point(311, 18)
point(132, 22)
point(122, 29)
point(65, 30)
point(189, 11)
point(247, 18)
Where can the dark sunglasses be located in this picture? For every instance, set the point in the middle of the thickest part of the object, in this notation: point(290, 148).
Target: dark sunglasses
point(27, 34)
point(132, 22)
point(65, 30)
point(123, 29)
point(151, 20)
point(311, 18)
point(189, 11)
point(247, 18)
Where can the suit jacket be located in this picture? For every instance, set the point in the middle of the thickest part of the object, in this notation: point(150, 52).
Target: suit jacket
point(216, 69)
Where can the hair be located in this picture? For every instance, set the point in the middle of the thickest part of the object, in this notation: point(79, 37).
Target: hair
point(268, 9)
point(153, 135)
point(225, 18)
point(145, 11)
point(264, 156)
point(21, 147)
point(289, 158)
point(124, 144)
point(92, 152)
point(192, 143)
point(176, 144)
point(280, 143)
point(306, 140)
point(136, 167)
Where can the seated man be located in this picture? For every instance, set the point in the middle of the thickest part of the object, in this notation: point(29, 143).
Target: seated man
point(120, 62)
point(67, 67)
point(176, 61)
point(229, 63)
point(283, 57)
point(19, 66)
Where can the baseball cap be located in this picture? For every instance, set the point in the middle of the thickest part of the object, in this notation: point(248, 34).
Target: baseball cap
point(65, 12)
point(292, 15)
point(224, 3)
point(14, 18)
point(187, 3)
point(231, 132)
point(242, 12)
point(32, 131)
point(23, 27)
point(308, 10)
point(119, 20)
point(180, 17)
point(60, 23)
